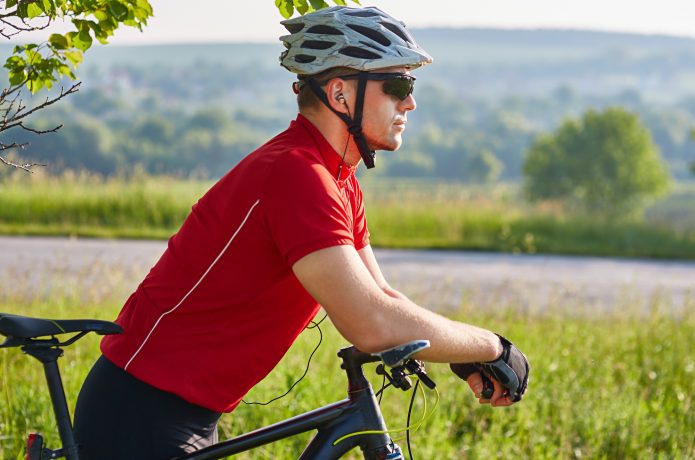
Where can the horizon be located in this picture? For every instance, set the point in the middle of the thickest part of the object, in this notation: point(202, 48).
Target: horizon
point(222, 41)
point(219, 21)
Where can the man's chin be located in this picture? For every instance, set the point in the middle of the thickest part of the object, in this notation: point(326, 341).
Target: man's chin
point(391, 146)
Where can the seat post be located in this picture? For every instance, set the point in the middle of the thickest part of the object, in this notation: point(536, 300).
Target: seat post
point(49, 358)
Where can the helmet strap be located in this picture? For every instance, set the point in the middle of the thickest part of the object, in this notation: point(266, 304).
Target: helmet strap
point(354, 125)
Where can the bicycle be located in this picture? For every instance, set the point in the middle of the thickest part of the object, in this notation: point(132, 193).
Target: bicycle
point(341, 426)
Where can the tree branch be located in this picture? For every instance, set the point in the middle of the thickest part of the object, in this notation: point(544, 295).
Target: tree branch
point(26, 167)
point(11, 119)
point(13, 112)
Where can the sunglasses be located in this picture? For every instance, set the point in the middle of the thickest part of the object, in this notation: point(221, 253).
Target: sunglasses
point(399, 85)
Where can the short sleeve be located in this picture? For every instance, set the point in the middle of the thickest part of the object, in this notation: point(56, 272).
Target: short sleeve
point(304, 209)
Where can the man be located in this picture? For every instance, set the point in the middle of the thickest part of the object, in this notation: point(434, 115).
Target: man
point(282, 233)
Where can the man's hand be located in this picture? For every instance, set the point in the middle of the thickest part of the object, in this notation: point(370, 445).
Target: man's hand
point(508, 375)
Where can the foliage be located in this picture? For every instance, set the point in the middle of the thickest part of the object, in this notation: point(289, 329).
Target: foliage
point(288, 7)
point(412, 214)
point(39, 65)
point(482, 167)
point(604, 164)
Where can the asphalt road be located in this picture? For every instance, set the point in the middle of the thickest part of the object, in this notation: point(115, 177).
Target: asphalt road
point(96, 269)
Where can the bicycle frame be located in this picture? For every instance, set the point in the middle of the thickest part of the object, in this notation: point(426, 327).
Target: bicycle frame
point(341, 426)
point(360, 412)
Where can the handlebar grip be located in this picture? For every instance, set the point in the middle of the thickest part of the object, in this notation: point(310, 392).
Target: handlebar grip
point(426, 380)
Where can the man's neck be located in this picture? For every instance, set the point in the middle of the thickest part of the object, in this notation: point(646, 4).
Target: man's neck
point(336, 133)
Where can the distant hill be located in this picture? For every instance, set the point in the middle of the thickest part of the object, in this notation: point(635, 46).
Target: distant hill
point(478, 61)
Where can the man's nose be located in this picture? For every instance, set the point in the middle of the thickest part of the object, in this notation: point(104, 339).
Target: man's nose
point(408, 103)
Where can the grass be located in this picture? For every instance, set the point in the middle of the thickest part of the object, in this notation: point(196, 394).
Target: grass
point(616, 385)
point(400, 214)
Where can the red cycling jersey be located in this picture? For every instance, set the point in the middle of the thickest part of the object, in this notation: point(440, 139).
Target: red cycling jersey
point(222, 306)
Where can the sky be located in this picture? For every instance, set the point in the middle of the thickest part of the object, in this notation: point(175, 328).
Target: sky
point(178, 21)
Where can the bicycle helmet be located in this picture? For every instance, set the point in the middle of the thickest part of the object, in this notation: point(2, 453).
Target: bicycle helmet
point(363, 39)
point(359, 38)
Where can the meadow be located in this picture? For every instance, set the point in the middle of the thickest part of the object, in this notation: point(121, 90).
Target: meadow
point(415, 214)
point(616, 386)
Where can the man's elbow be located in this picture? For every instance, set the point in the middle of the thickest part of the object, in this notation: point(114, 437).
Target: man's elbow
point(371, 337)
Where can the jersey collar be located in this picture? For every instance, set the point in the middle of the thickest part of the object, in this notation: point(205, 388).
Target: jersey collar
point(331, 158)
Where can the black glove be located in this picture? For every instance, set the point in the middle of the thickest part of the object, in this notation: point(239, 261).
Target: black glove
point(511, 370)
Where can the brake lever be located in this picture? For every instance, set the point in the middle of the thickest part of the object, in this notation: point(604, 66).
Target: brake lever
point(418, 368)
point(397, 377)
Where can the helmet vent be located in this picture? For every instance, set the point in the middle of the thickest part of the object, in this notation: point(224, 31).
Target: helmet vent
point(372, 45)
point(362, 14)
point(370, 33)
point(294, 28)
point(304, 58)
point(398, 31)
point(323, 29)
point(359, 53)
point(316, 44)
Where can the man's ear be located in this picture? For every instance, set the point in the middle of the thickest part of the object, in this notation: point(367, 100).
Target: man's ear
point(338, 94)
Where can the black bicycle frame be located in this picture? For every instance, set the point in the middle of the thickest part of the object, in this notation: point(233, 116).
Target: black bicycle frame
point(358, 413)
point(341, 426)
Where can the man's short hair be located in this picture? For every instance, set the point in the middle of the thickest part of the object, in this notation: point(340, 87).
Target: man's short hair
point(306, 98)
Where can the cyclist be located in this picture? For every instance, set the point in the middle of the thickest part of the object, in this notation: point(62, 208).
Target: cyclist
point(283, 232)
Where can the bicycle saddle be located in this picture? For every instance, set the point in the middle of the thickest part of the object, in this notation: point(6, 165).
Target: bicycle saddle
point(24, 327)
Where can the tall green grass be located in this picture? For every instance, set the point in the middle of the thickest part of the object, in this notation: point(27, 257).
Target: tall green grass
point(615, 385)
point(400, 214)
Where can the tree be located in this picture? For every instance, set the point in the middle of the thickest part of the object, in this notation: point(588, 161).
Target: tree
point(482, 167)
point(603, 164)
point(288, 7)
point(39, 66)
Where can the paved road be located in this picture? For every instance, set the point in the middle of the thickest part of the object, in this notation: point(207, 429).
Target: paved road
point(97, 269)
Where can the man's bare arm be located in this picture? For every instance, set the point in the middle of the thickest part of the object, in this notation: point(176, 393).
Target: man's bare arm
point(369, 260)
point(339, 279)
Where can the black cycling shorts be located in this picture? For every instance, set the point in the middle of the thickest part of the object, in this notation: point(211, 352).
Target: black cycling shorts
point(120, 417)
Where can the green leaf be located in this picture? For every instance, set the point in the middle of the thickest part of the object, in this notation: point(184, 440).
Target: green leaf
point(47, 7)
point(17, 78)
point(33, 10)
point(15, 62)
point(33, 57)
point(318, 4)
point(302, 6)
point(340, 2)
point(58, 41)
point(286, 8)
point(144, 5)
point(101, 15)
point(82, 40)
point(10, 4)
point(75, 57)
point(119, 11)
point(67, 71)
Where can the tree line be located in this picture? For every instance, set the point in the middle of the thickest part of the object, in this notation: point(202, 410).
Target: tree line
point(204, 118)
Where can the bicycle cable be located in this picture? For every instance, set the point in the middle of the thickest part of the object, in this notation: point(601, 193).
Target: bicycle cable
point(311, 325)
point(425, 416)
point(384, 386)
point(407, 422)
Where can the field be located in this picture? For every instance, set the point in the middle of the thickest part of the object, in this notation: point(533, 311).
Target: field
point(618, 386)
point(411, 215)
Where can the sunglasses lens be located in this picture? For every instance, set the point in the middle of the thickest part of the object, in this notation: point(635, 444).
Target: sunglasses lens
point(400, 87)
